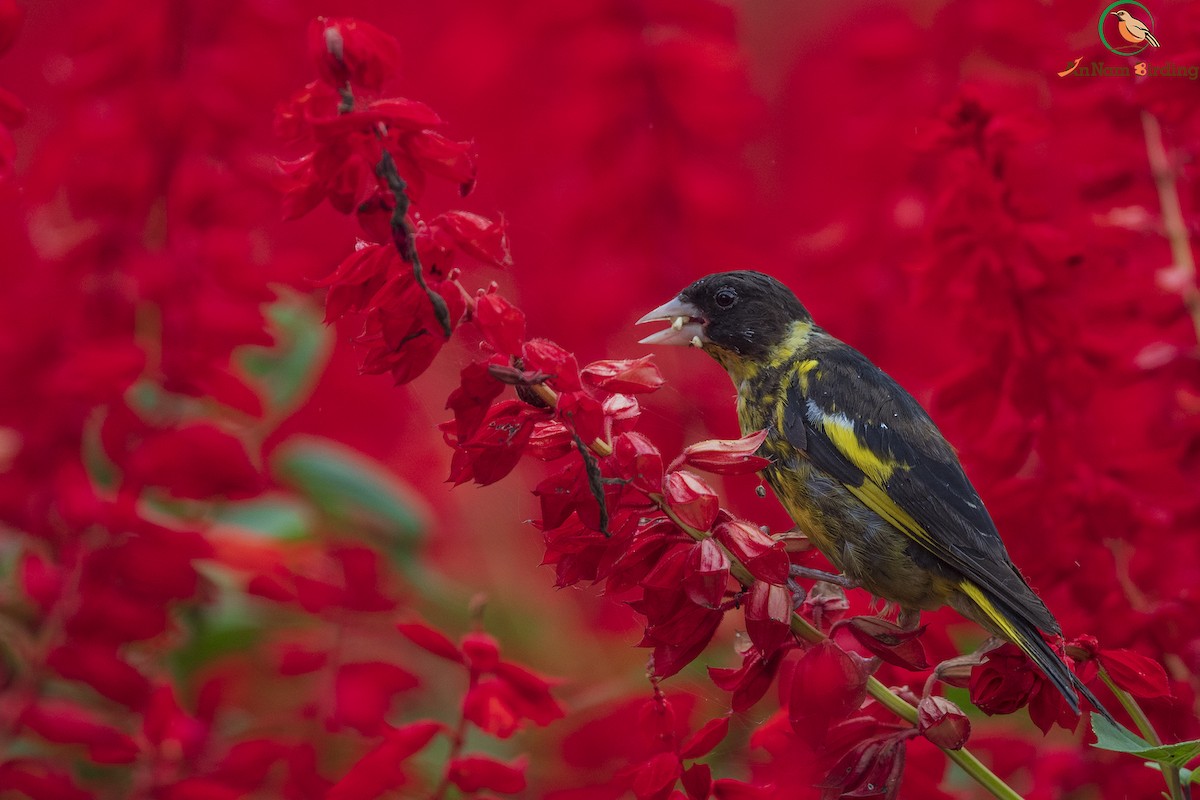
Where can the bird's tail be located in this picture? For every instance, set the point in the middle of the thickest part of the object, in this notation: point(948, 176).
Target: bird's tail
point(1025, 635)
point(1150, 38)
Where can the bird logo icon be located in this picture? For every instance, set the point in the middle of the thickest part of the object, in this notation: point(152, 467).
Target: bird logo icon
point(1135, 35)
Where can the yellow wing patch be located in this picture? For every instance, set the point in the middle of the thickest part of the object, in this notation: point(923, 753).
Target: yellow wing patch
point(875, 498)
point(1006, 627)
point(840, 431)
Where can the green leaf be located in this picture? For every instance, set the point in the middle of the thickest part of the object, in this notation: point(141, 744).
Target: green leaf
point(1122, 740)
point(286, 373)
point(351, 488)
point(275, 517)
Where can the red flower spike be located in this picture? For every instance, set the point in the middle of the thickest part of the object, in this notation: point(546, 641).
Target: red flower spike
point(727, 457)
point(692, 500)
point(706, 574)
point(764, 557)
point(640, 461)
point(827, 686)
point(482, 652)
point(347, 50)
point(943, 723)
point(655, 779)
point(583, 414)
point(633, 376)
point(430, 639)
point(1135, 673)
point(545, 356)
point(697, 781)
point(768, 613)
point(502, 323)
point(477, 773)
point(889, 641)
point(381, 769)
point(702, 742)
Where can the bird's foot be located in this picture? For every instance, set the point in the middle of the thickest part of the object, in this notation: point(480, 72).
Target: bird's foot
point(909, 619)
point(795, 571)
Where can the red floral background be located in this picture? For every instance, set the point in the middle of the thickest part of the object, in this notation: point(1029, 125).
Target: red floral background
point(232, 566)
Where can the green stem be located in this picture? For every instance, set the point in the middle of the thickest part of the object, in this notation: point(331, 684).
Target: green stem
point(1170, 773)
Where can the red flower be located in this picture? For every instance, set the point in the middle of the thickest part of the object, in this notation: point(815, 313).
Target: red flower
point(347, 50)
point(828, 684)
point(475, 773)
point(363, 694)
point(382, 768)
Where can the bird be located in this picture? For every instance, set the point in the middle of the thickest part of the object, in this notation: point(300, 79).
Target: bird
point(860, 466)
point(1133, 29)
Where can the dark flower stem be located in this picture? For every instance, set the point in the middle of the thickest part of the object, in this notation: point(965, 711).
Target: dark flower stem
point(402, 237)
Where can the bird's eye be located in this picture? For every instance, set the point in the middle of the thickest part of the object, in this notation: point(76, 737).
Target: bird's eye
point(726, 297)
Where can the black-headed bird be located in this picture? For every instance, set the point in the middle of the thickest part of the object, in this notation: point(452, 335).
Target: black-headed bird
point(860, 466)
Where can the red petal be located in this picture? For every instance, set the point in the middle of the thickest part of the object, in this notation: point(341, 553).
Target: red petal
point(381, 769)
point(475, 773)
point(702, 742)
point(692, 500)
point(706, 574)
point(943, 723)
point(727, 456)
point(478, 237)
point(545, 356)
point(768, 614)
point(631, 376)
point(1135, 673)
point(827, 686)
point(657, 777)
point(430, 639)
point(697, 781)
point(502, 323)
point(482, 651)
point(763, 556)
point(887, 640)
point(641, 462)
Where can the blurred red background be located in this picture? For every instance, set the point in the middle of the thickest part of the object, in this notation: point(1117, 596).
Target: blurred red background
point(177, 423)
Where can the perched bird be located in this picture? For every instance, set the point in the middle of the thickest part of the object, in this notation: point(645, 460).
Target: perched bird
point(859, 465)
point(1133, 29)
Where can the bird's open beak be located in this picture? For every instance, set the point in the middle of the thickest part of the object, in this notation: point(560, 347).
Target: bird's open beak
point(1114, 14)
point(687, 325)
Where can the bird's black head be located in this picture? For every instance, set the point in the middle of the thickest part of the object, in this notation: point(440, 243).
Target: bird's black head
point(742, 315)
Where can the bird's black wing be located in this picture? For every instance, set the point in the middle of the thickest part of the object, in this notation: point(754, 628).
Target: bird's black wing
point(860, 426)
